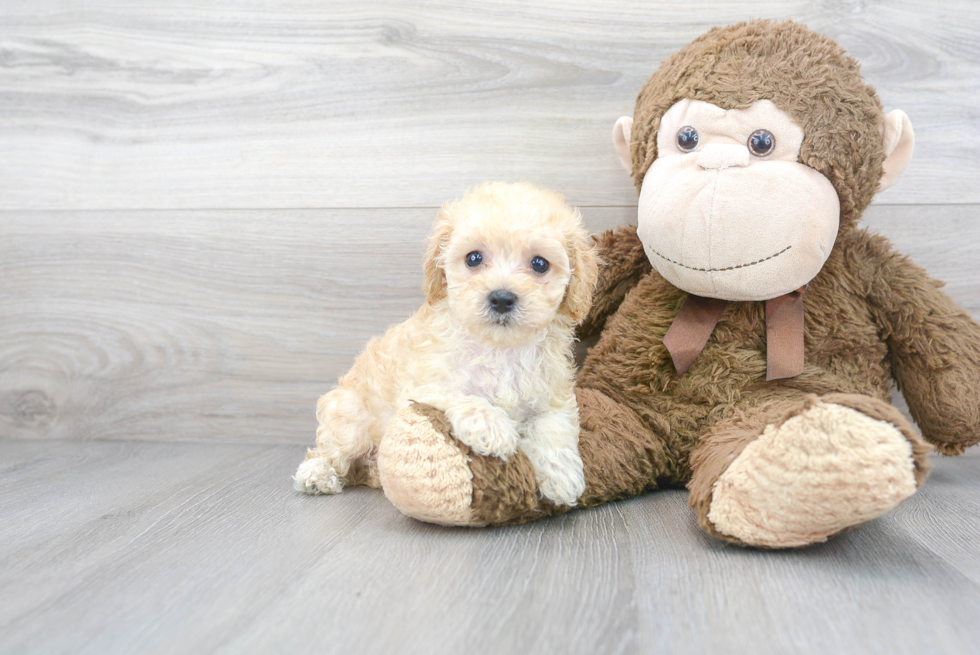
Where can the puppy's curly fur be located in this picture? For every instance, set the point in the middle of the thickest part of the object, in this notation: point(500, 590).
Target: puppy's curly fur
point(491, 347)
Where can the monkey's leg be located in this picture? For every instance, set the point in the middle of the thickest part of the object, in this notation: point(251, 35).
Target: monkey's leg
point(796, 472)
point(430, 475)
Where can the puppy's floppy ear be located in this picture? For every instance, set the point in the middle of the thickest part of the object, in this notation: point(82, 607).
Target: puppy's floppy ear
point(584, 263)
point(434, 282)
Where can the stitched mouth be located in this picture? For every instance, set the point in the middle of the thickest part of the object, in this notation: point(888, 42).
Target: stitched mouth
point(727, 268)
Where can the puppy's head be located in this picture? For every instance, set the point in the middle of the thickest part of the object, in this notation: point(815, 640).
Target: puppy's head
point(509, 259)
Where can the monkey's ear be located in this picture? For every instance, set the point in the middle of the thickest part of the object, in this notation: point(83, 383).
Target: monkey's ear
point(898, 140)
point(621, 141)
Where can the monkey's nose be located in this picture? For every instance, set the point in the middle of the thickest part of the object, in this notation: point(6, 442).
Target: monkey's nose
point(502, 301)
point(716, 156)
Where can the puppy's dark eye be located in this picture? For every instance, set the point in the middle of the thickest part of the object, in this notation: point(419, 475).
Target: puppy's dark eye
point(539, 265)
point(762, 143)
point(474, 259)
point(687, 138)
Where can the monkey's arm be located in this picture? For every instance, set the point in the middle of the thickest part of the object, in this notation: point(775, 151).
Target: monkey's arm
point(622, 264)
point(935, 350)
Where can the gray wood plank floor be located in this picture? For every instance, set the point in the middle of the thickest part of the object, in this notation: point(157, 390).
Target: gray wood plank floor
point(192, 548)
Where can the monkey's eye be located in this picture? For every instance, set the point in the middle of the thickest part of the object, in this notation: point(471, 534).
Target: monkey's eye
point(474, 259)
point(762, 143)
point(539, 265)
point(687, 138)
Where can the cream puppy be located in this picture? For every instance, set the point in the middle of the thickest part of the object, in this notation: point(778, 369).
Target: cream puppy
point(509, 272)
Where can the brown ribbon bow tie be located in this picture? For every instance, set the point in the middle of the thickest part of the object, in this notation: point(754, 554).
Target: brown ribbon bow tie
point(694, 323)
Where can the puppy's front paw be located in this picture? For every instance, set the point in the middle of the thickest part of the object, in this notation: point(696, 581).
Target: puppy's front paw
point(484, 428)
point(561, 478)
point(316, 476)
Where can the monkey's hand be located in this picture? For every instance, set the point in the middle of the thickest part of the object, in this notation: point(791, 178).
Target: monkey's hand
point(622, 264)
point(935, 349)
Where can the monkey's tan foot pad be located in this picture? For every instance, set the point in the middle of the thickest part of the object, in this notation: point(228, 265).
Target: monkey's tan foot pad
point(821, 471)
point(431, 476)
point(423, 473)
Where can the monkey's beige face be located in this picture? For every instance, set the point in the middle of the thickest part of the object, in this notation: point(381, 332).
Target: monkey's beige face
point(505, 276)
point(727, 211)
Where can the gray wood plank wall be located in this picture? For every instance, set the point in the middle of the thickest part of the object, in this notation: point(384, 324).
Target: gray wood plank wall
point(206, 210)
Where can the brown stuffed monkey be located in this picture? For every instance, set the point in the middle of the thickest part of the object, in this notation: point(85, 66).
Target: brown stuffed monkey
point(749, 329)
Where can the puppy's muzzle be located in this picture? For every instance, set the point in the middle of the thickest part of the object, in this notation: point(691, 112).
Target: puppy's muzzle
point(502, 302)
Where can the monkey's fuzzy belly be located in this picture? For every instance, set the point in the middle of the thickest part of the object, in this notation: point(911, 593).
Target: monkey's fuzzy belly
point(631, 365)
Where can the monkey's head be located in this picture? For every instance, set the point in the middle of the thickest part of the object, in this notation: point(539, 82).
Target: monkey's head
point(752, 148)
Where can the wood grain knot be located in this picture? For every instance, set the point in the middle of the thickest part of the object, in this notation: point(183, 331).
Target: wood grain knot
point(34, 409)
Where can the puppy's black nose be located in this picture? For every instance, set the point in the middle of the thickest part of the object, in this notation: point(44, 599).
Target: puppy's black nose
point(502, 301)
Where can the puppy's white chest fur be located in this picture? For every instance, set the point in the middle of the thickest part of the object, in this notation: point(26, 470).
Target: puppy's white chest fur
point(508, 378)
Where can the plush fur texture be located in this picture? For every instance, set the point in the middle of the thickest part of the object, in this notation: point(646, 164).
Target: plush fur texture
point(823, 470)
point(805, 74)
point(872, 318)
point(815, 468)
point(503, 378)
point(424, 472)
point(720, 222)
point(642, 425)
